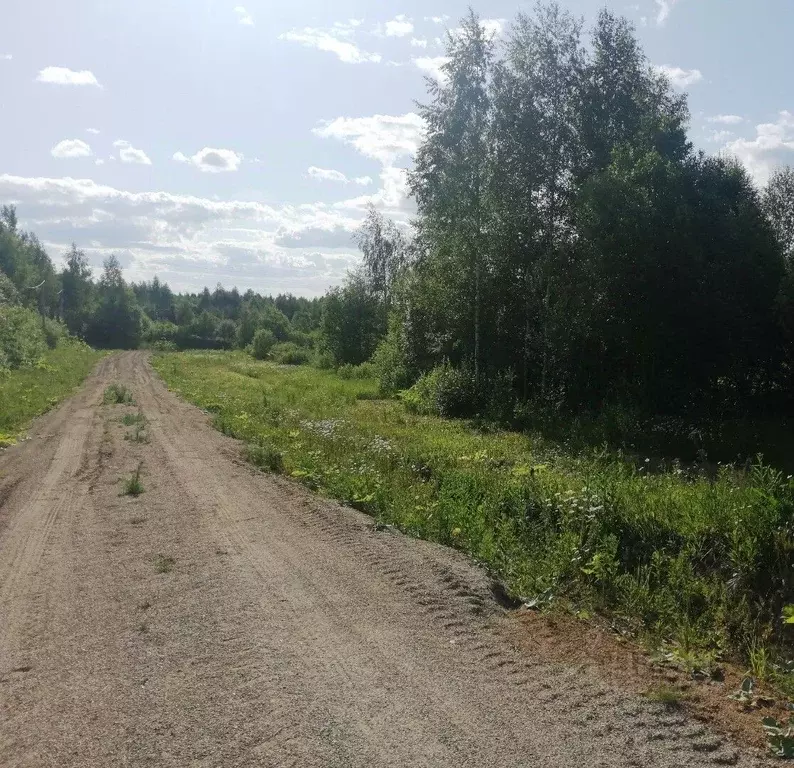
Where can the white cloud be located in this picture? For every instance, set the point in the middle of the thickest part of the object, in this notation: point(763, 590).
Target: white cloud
point(66, 76)
point(432, 66)
point(665, 7)
point(95, 131)
point(772, 146)
point(129, 154)
point(399, 26)
point(211, 160)
point(6, 56)
point(335, 40)
point(720, 137)
point(191, 241)
point(493, 27)
point(99, 161)
point(437, 19)
point(69, 148)
point(382, 137)
point(726, 119)
point(243, 16)
point(327, 174)
point(418, 43)
point(680, 78)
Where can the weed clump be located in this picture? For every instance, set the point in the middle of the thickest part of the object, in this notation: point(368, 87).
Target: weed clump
point(164, 564)
point(133, 418)
point(117, 394)
point(133, 486)
point(265, 457)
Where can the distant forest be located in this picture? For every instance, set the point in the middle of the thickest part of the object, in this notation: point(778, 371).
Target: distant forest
point(571, 253)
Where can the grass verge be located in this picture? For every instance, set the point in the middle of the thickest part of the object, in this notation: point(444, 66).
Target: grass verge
point(697, 566)
point(28, 392)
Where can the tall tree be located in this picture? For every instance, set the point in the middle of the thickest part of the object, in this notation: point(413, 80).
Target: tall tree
point(452, 165)
point(383, 247)
point(778, 202)
point(76, 295)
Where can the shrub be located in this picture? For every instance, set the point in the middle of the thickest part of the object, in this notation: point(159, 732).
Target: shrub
point(264, 456)
point(444, 391)
point(323, 360)
point(53, 332)
point(22, 340)
point(263, 342)
point(390, 364)
point(363, 371)
point(289, 354)
point(161, 345)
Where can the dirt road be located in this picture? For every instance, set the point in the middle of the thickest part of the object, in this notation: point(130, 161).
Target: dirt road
point(228, 618)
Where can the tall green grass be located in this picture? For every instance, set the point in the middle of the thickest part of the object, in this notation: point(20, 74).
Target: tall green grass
point(28, 392)
point(699, 565)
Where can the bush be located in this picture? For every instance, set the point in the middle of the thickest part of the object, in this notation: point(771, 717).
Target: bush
point(444, 391)
point(164, 346)
point(289, 354)
point(53, 332)
point(264, 456)
point(263, 342)
point(390, 364)
point(323, 360)
point(22, 340)
point(363, 371)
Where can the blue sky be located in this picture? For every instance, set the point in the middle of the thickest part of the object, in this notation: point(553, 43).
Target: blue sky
point(208, 141)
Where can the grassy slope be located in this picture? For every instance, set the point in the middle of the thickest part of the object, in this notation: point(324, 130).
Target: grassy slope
point(28, 392)
point(700, 566)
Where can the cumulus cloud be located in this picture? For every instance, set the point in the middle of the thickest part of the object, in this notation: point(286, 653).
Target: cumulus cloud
point(399, 26)
point(336, 40)
point(432, 66)
point(6, 56)
point(99, 161)
point(772, 146)
point(69, 148)
point(211, 160)
point(334, 236)
point(66, 76)
point(243, 17)
point(191, 241)
point(418, 42)
point(129, 154)
point(726, 119)
point(95, 131)
point(680, 78)
point(382, 137)
point(719, 137)
point(664, 8)
point(437, 19)
point(327, 174)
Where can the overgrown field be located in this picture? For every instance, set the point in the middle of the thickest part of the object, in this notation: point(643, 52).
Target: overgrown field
point(699, 566)
point(30, 391)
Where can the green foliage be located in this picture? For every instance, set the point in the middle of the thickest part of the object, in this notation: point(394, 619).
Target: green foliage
point(289, 354)
point(444, 391)
point(264, 340)
point(780, 737)
point(164, 563)
point(701, 563)
point(363, 371)
point(264, 456)
point(391, 364)
point(133, 485)
point(22, 339)
point(352, 322)
point(117, 394)
point(28, 392)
